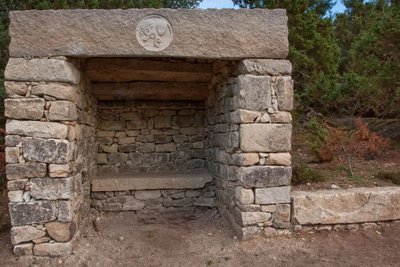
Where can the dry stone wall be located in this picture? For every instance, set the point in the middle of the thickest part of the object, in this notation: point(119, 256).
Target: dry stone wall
point(150, 137)
point(249, 135)
point(50, 151)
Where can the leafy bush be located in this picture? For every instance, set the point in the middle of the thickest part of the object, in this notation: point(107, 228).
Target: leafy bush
point(302, 174)
point(391, 176)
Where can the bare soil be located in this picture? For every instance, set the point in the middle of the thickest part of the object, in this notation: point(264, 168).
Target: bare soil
point(206, 240)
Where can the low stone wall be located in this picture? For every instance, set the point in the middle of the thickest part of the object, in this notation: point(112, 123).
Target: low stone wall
point(150, 137)
point(158, 201)
point(334, 209)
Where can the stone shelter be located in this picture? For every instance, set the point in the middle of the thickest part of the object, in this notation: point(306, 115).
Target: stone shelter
point(153, 111)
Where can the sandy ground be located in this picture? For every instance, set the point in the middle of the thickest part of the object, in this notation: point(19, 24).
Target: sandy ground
point(206, 240)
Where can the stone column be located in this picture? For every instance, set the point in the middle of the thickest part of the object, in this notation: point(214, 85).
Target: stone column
point(250, 129)
point(45, 109)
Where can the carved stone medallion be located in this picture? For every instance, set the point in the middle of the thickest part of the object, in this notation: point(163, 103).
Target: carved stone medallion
point(154, 33)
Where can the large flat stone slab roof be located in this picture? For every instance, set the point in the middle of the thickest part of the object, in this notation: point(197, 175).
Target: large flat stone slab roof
point(194, 33)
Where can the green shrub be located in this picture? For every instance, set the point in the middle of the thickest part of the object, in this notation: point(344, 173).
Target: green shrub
point(302, 174)
point(391, 176)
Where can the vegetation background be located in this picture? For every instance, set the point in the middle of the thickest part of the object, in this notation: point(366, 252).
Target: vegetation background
point(345, 64)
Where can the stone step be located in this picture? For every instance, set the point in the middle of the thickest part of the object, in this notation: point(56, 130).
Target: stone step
point(145, 181)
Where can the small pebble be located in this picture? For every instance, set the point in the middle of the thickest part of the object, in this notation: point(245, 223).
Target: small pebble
point(333, 186)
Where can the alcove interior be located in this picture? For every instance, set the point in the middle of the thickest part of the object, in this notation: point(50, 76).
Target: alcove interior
point(152, 121)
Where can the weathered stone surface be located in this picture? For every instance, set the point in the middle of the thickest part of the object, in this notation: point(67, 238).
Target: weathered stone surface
point(16, 185)
point(47, 150)
point(117, 158)
point(15, 88)
point(60, 232)
point(284, 159)
point(24, 108)
point(57, 90)
point(32, 212)
point(139, 181)
point(162, 122)
point(23, 249)
point(13, 140)
point(250, 218)
point(37, 129)
point(205, 202)
point(12, 154)
point(264, 176)
point(21, 234)
point(265, 137)
point(264, 67)
point(53, 249)
point(272, 195)
point(59, 170)
point(147, 194)
point(228, 34)
point(284, 91)
point(245, 159)
point(244, 116)
point(281, 117)
point(346, 206)
point(52, 189)
point(63, 111)
point(26, 170)
point(15, 196)
point(133, 204)
point(254, 92)
point(111, 125)
point(37, 70)
point(245, 196)
point(268, 208)
point(168, 147)
point(282, 216)
point(65, 211)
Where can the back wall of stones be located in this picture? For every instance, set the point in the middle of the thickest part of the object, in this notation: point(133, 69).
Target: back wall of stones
point(249, 134)
point(50, 152)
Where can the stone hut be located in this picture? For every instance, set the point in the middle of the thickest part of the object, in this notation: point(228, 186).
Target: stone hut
point(153, 111)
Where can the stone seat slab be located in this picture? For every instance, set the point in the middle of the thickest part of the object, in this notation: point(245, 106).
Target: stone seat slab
point(146, 181)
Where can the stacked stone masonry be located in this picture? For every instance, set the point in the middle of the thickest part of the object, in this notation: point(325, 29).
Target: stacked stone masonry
point(249, 139)
point(50, 147)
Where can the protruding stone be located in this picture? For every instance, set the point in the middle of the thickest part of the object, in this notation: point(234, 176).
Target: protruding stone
point(32, 212)
point(52, 189)
point(265, 137)
point(284, 91)
point(37, 129)
point(250, 218)
point(60, 232)
point(23, 249)
point(24, 108)
point(53, 249)
point(26, 170)
point(37, 70)
point(272, 67)
point(57, 90)
point(264, 176)
point(63, 111)
point(21, 234)
point(254, 92)
point(281, 117)
point(283, 159)
point(47, 150)
point(245, 196)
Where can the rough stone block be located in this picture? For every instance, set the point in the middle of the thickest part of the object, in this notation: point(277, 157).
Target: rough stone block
point(53, 249)
point(250, 218)
point(168, 147)
point(12, 154)
point(245, 159)
point(204, 202)
point(284, 159)
point(16, 196)
point(26, 170)
point(133, 204)
point(346, 206)
point(162, 122)
point(37, 70)
point(60, 232)
point(136, 123)
point(264, 176)
point(117, 158)
point(23, 249)
point(147, 194)
point(112, 125)
point(32, 212)
point(244, 196)
point(63, 111)
point(284, 91)
point(281, 117)
point(282, 216)
point(272, 195)
point(65, 211)
point(21, 234)
point(16, 185)
point(24, 108)
point(56, 90)
point(254, 92)
point(47, 150)
point(13, 140)
point(37, 129)
point(244, 116)
point(52, 189)
point(265, 137)
point(101, 158)
point(59, 170)
point(15, 88)
point(270, 67)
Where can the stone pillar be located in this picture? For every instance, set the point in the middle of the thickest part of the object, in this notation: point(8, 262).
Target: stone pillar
point(250, 132)
point(48, 117)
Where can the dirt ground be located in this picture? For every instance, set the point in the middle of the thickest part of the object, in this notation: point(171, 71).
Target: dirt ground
point(206, 240)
